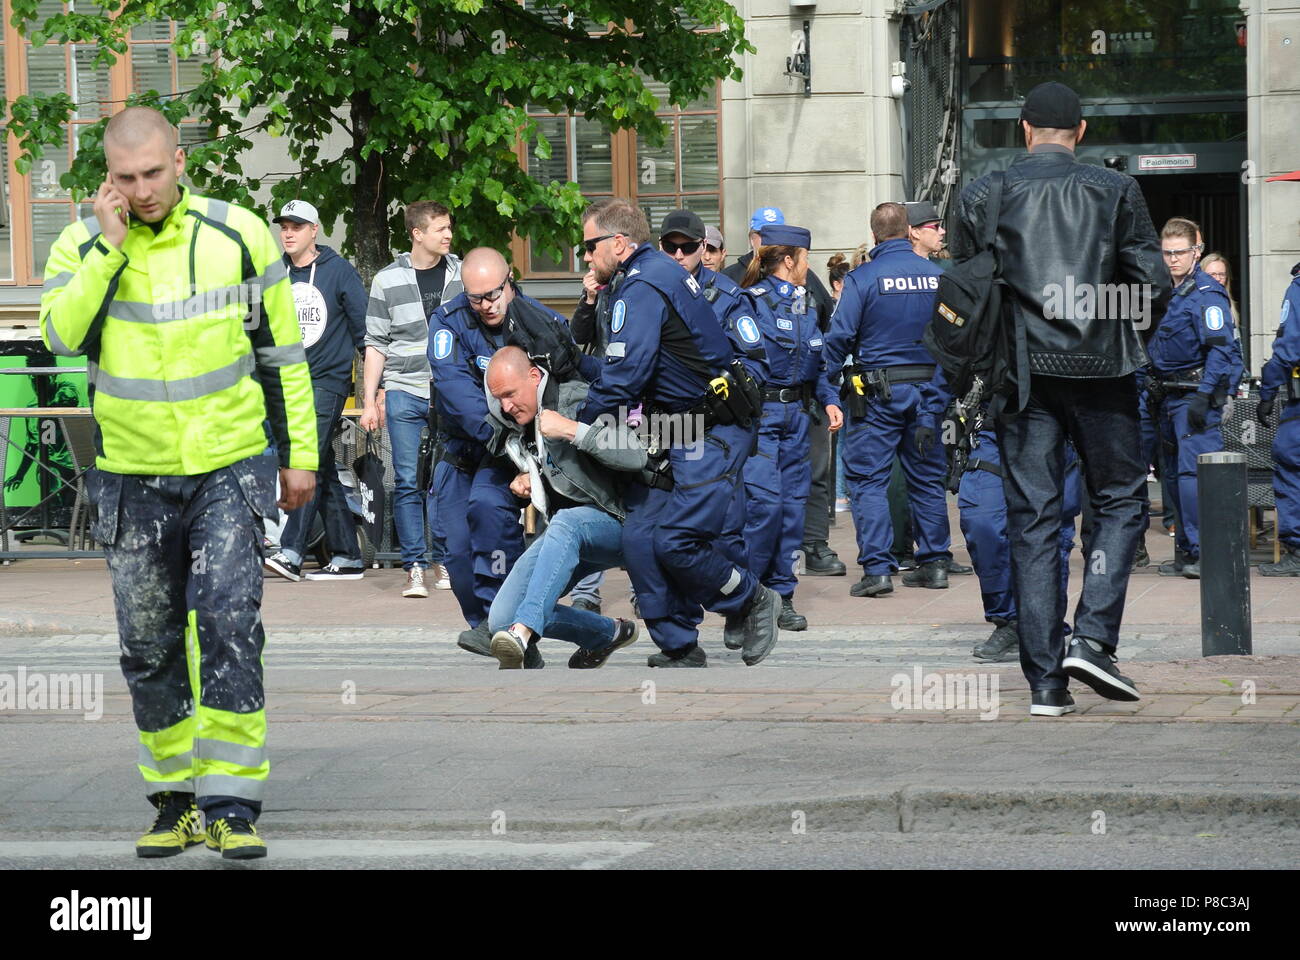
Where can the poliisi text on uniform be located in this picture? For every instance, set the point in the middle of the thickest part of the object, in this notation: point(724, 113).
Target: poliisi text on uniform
point(908, 284)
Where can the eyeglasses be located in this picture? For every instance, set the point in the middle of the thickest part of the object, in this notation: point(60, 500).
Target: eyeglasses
point(1182, 252)
point(590, 245)
point(689, 247)
point(492, 296)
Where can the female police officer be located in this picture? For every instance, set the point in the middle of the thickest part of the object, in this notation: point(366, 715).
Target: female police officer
point(778, 476)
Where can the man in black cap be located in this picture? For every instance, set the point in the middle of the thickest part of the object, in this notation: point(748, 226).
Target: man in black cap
point(1061, 225)
point(925, 228)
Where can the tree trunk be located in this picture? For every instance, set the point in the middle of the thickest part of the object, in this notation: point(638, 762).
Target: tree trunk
point(371, 236)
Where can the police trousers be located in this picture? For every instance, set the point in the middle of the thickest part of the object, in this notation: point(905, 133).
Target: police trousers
point(185, 557)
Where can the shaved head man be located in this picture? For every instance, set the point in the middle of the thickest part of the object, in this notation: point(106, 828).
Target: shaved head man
point(512, 378)
point(144, 170)
point(486, 277)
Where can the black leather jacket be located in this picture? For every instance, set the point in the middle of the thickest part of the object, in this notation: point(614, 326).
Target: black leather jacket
point(1065, 225)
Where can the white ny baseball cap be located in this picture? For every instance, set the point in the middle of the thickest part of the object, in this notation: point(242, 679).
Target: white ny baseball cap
point(299, 211)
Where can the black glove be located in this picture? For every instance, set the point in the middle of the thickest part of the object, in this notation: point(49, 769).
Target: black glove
point(924, 441)
point(1265, 410)
point(1197, 408)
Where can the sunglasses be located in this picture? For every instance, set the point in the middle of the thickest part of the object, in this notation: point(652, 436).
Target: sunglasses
point(689, 247)
point(492, 296)
point(711, 248)
point(590, 245)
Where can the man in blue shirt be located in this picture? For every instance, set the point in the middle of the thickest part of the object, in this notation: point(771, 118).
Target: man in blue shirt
point(1282, 372)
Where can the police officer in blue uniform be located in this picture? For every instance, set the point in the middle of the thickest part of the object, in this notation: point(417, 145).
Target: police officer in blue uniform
point(1282, 374)
point(472, 486)
point(779, 475)
point(1194, 364)
point(668, 352)
point(892, 404)
point(744, 319)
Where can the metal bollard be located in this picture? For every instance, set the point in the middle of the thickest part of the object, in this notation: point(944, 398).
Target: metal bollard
point(1225, 557)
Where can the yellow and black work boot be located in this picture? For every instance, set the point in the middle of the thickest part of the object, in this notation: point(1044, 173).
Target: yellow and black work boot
point(176, 827)
point(236, 838)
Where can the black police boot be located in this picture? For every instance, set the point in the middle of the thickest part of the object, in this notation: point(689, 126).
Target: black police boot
point(693, 657)
point(1287, 566)
point(1174, 567)
point(933, 575)
point(762, 627)
point(476, 640)
point(1002, 646)
point(1192, 571)
point(733, 632)
point(790, 618)
point(819, 560)
point(872, 586)
point(956, 569)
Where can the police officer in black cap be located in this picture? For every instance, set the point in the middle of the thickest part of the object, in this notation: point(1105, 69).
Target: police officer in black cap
point(1063, 225)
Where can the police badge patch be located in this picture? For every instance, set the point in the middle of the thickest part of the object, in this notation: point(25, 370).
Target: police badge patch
point(1214, 318)
point(620, 315)
point(748, 330)
point(442, 345)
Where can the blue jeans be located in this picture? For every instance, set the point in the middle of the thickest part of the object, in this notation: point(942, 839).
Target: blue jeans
point(329, 497)
point(407, 416)
point(578, 542)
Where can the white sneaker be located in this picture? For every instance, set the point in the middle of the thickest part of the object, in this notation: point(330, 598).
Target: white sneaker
point(441, 578)
point(415, 583)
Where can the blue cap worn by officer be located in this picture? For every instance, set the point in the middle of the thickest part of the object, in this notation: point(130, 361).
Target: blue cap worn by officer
point(884, 308)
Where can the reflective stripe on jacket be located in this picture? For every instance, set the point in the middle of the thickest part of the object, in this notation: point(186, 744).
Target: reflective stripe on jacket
point(191, 338)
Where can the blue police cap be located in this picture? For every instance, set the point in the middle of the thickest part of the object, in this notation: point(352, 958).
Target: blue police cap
point(785, 235)
point(766, 216)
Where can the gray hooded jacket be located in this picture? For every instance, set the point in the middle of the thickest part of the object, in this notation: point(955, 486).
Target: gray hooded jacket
point(585, 471)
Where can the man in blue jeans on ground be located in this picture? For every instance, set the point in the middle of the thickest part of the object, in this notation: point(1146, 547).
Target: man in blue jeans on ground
point(331, 305)
point(568, 471)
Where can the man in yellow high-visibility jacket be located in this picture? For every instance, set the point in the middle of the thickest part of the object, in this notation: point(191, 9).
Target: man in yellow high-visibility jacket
point(182, 306)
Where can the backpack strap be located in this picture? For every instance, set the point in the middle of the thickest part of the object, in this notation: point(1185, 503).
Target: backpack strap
point(993, 209)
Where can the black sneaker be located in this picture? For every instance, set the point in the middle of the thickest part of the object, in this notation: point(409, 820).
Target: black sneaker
point(333, 572)
point(695, 657)
point(956, 569)
point(280, 564)
point(1287, 566)
point(1050, 703)
point(582, 603)
point(1002, 646)
point(819, 560)
point(903, 564)
point(595, 659)
point(1098, 671)
point(872, 586)
point(933, 575)
point(533, 656)
point(790, 618)
point(1174, 567)
point(476, 640)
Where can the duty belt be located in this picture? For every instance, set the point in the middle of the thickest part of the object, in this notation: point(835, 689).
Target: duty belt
point(786, 394)
point(909, 372)
point(464, 464)
point(1180, 379)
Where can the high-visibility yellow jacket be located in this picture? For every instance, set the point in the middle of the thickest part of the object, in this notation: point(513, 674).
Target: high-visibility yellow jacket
point(174, 326)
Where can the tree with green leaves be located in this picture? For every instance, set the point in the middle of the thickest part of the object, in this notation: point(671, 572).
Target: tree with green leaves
point(432, 95)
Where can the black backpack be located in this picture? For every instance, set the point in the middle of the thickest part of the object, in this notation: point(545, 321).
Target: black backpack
point(976, 335)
